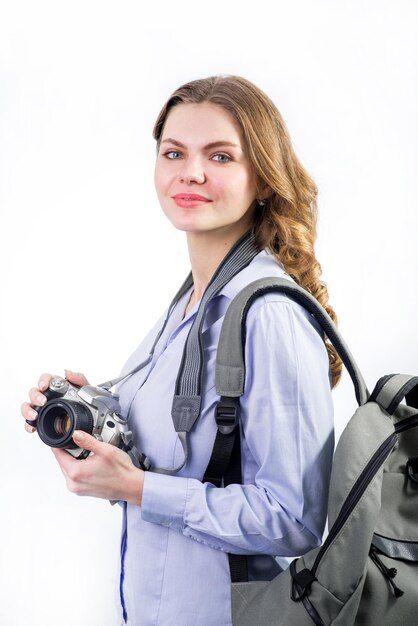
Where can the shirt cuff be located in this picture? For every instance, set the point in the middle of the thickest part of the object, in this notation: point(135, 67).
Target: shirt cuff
point(164, 500)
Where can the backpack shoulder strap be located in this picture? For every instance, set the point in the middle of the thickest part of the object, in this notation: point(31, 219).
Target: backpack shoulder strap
point(230, 366)
point(224, 466)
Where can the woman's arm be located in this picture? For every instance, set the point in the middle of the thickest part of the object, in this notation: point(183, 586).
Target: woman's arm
point(287, 445)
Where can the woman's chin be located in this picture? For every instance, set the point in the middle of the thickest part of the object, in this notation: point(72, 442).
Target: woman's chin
point(191, 226)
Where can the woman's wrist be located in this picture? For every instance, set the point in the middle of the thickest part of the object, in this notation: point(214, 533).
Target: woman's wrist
point(135, 485)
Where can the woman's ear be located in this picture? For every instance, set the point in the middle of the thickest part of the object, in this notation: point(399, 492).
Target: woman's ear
point(264, 192)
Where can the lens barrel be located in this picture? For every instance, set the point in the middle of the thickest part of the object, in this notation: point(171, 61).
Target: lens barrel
point(58, 419)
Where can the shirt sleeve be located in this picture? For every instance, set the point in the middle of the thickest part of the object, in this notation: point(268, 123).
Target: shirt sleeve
point(287, 444)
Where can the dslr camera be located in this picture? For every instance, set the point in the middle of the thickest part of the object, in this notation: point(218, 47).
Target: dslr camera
point(93, 410)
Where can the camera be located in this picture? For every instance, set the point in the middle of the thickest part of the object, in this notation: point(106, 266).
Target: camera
point(93, 410)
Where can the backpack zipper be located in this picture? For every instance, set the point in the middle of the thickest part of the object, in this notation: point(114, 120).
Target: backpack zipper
point(355, 494)
point(362, 482)
point(388, 572)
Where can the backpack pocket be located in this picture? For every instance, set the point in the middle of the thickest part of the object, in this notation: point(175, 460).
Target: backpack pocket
point(269, 603)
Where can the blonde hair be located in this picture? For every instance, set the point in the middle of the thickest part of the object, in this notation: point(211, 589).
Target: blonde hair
point(287, 224)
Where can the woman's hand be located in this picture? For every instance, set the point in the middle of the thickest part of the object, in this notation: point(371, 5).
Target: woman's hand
point(38, 399)
point(108, 473)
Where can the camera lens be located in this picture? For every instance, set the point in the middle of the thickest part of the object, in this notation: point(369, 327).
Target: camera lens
point(58, 419)
point(62, 424)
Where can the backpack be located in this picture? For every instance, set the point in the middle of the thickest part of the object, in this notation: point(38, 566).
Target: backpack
point(366, 570)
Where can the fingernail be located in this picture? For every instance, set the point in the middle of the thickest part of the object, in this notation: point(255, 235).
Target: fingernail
point(33, 414)
point(41, 400)
point(77, 435)
point(42, 385)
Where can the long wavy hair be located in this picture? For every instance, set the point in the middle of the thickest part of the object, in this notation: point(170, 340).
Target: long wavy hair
point(287, 223)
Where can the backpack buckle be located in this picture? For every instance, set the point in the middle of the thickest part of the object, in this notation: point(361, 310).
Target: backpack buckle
point(227, 414)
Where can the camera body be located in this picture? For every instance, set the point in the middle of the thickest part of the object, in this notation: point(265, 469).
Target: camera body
point(90, 409)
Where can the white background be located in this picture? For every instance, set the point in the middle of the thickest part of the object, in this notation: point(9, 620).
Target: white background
point(87, 261)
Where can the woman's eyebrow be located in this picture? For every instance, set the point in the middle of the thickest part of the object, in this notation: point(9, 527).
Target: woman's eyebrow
point(209, 146)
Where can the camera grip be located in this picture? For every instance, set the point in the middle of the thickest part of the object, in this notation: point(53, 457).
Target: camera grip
point(49, 395)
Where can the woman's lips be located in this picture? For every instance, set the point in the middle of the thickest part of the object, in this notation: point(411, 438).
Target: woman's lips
point(188, 200)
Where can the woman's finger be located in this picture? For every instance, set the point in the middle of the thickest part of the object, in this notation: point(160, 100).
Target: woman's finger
point(36, 397)
point(28, 412)
point(76, 377)
point(44, 381)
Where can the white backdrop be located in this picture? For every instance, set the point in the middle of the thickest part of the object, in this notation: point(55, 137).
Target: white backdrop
point(87, 261)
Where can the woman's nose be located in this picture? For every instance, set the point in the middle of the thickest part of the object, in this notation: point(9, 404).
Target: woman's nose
point(192, 171)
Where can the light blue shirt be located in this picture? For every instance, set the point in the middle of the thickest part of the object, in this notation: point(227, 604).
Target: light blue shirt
point(174, 547)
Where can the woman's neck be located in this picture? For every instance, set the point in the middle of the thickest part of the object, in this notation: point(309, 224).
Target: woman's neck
point(206, 252)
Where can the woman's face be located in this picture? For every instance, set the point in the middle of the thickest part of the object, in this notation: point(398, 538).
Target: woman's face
point(203, 176)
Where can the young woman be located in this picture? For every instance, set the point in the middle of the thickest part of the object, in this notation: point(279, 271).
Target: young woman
point(225, 167)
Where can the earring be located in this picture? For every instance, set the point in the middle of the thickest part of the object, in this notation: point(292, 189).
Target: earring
point(261, 203)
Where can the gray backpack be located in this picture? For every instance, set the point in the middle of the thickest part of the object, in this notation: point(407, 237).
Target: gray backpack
point(366, 571)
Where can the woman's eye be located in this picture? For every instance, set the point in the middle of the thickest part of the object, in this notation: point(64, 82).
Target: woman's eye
point(221, 158)
point(173, 154)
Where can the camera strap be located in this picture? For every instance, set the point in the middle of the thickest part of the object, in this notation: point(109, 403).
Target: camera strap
point(187, 399)
point(139, 459)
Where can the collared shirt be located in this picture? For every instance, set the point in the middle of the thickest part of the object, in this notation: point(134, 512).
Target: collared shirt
point(174, 565)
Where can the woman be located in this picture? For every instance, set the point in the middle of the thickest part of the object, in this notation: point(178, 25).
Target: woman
point(224, 166)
